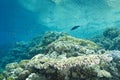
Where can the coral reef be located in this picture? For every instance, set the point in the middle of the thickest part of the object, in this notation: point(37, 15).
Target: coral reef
point(69, 46)
point(64, 57)
point(111, 33)
point(47, 38)
point(26, 50)
point(110, 39)
point(43, 67)
point(79, 67)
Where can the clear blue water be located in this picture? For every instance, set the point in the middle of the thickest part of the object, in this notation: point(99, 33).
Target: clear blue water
point(16, 24)
point(21, 20)
point(19, 17)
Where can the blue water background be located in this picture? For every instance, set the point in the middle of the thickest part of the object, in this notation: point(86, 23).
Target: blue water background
point(21, 20)
point(16, 24)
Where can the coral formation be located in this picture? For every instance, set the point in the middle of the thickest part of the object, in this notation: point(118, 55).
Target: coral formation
point(26, 50)
point(81, 67)
point(68, 68)
point(69, 46)
point(47, 38)
point(64, 57)
point(111, 33)
point(110, 39)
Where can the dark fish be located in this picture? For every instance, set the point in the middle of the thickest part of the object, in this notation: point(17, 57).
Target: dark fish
point(75, 27)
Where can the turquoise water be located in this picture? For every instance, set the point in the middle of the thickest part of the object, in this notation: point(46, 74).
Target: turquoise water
point(28, 20)
point(20, 18)
point(16, 24)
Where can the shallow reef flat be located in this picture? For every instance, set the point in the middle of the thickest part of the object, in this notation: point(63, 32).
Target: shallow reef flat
point(59, 56)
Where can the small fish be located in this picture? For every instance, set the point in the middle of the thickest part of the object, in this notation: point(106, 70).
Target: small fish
point(75, 27)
